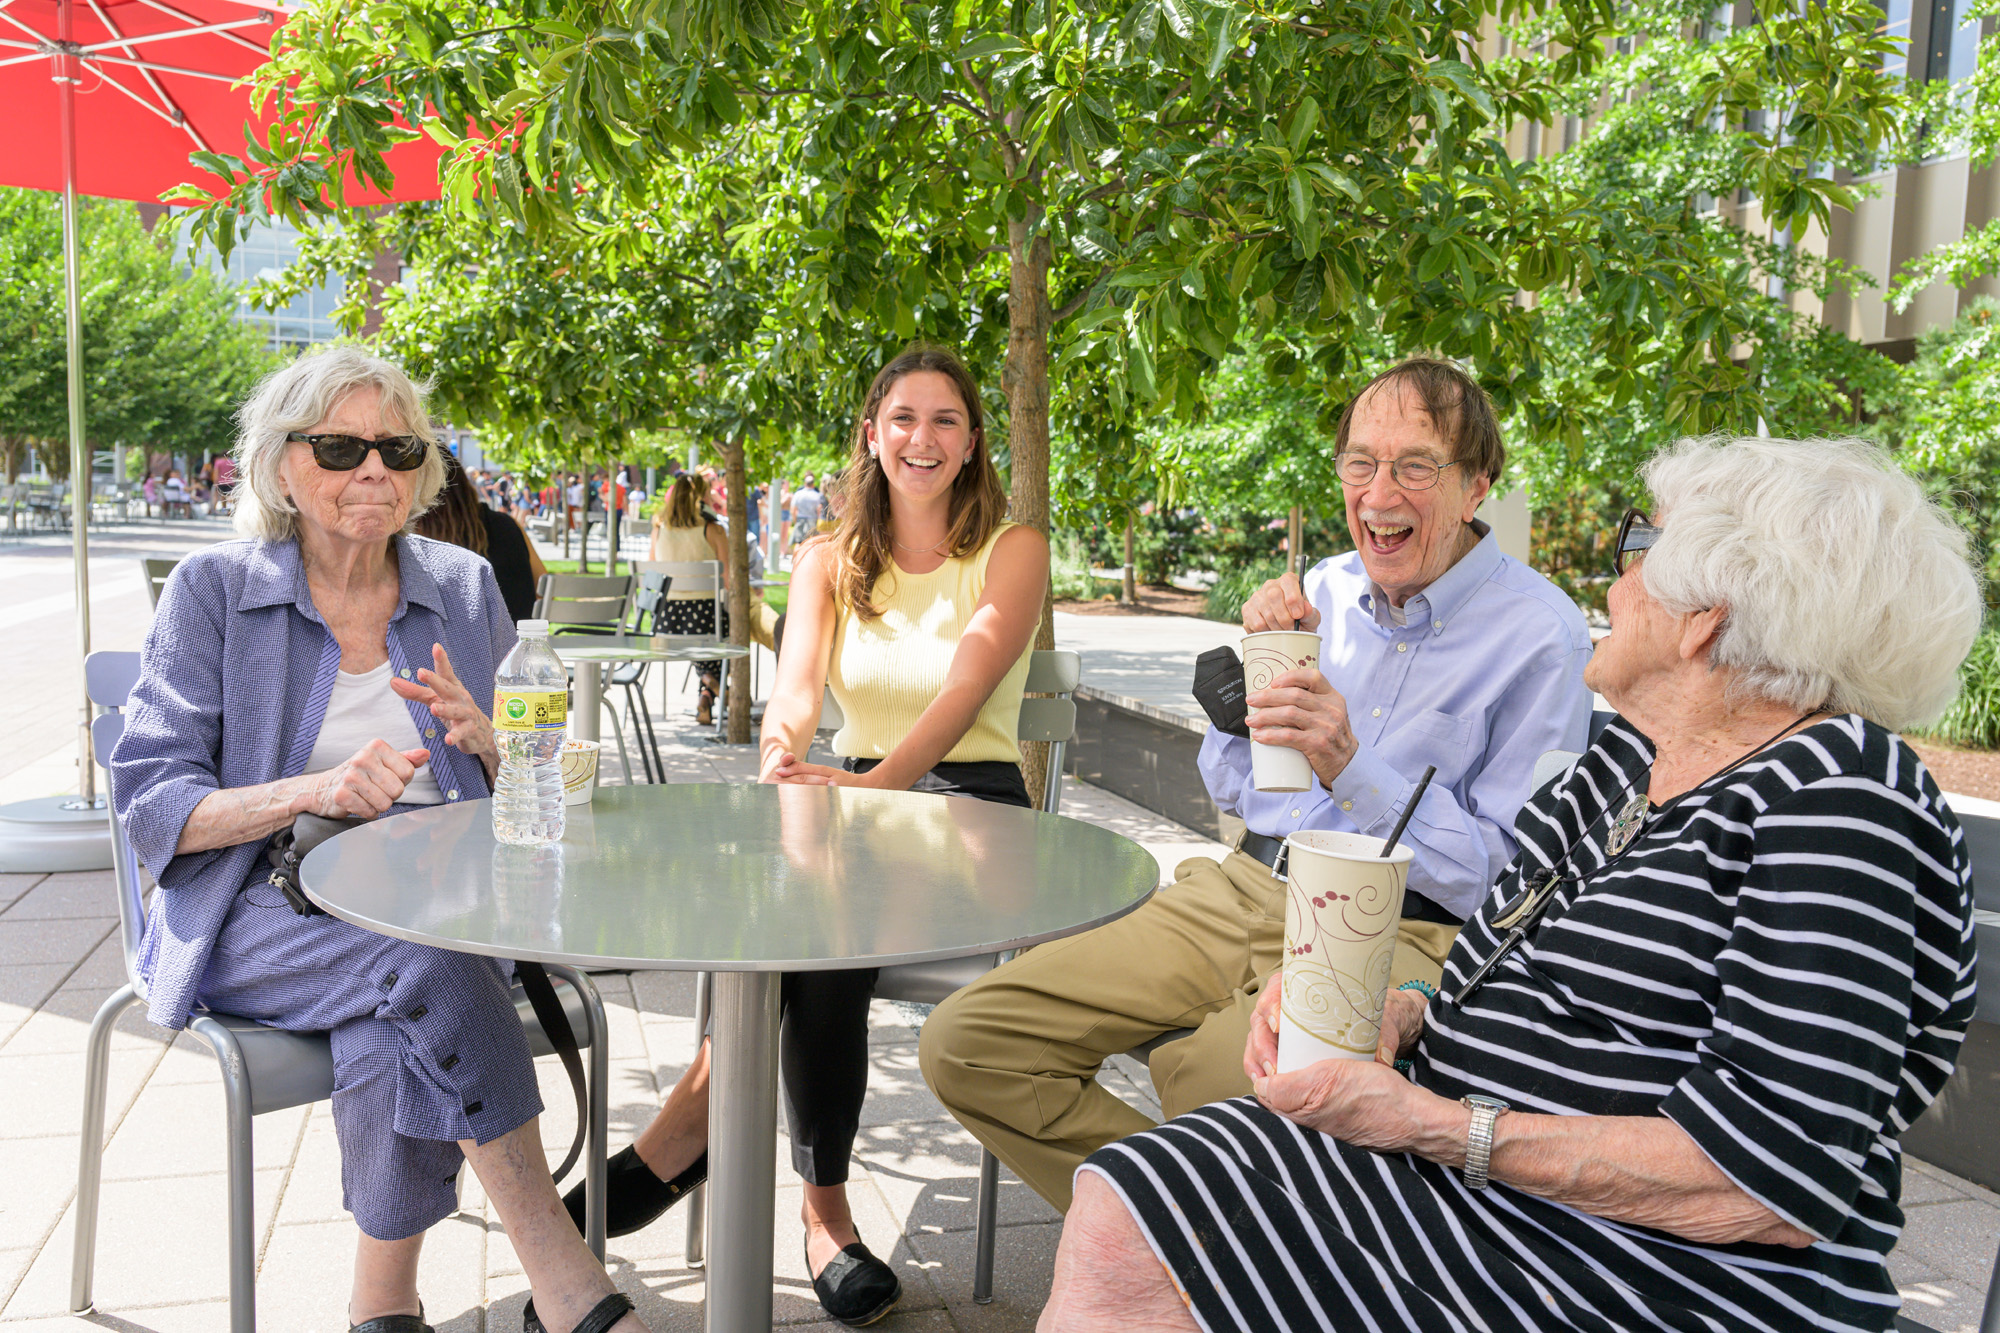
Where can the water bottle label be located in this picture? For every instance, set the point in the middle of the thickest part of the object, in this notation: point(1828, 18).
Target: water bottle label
point(530, 710)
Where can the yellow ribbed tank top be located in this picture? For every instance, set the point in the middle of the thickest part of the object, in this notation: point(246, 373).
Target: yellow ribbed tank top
point(886, 671)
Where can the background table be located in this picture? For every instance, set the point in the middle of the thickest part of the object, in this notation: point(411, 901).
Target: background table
point(589, 652)
point(747, 882)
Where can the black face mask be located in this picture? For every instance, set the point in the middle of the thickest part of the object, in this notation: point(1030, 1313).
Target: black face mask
point(1219, 689)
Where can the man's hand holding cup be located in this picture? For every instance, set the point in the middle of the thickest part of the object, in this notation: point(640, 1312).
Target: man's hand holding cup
point(1291, 704)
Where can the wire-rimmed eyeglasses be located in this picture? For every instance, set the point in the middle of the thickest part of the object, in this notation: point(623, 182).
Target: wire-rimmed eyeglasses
point(1412, 474)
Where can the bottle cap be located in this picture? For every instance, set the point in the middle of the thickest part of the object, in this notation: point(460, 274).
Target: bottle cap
point(531, 627)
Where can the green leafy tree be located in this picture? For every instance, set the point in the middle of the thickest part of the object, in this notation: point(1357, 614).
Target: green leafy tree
point(1146, 185)
point(165, 361)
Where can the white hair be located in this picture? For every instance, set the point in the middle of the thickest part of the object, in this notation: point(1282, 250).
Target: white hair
point(1846, 587)
point(300, 396)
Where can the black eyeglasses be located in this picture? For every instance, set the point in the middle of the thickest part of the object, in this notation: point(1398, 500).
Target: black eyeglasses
point(1636, 533)
point(344, 453)
point(1412, 474)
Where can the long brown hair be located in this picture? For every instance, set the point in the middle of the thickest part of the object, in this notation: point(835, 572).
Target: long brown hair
point(682, 507)
point(455, 517)
point(861, 538)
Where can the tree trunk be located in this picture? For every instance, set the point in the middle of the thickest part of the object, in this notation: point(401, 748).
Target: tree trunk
point(569, 516)
point(1129, 589)
point(739, 591)
point(1295, 540)
point(1026, 378)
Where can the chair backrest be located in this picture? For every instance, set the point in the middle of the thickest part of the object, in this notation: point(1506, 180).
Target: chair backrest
point(110, 677)
point(1555, 763)
point(592, 601)
point(156, 575)
point(680, 576)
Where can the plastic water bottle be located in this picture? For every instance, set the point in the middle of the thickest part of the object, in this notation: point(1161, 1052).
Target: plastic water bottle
point(530, 722)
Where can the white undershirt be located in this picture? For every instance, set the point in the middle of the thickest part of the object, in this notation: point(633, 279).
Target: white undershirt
point(363, 708)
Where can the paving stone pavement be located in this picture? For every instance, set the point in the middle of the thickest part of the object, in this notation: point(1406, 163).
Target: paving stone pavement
point(161, 1263)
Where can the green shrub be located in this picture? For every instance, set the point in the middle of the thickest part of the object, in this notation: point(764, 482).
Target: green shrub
point(1226, 598)
point(1974, 720)
point(1069, 568)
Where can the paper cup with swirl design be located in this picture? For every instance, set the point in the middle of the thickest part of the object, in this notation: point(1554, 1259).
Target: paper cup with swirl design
point(1267, 656)
point(1342, 903)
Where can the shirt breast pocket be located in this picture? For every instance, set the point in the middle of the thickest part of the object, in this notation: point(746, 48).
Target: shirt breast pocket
point(1432, 737)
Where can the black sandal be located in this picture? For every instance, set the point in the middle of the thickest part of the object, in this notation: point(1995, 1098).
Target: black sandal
point(600, 1319)
point(855, 1287)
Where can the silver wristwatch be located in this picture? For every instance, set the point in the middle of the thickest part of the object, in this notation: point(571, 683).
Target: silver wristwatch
point(1479, 1137)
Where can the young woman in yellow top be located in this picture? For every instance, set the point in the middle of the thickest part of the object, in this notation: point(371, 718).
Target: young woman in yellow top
point(920, 611)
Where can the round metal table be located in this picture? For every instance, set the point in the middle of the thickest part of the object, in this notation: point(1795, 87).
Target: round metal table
point(589, 652)
point(746, 882)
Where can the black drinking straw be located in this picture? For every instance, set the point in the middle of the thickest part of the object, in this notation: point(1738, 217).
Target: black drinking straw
point(1396, 833)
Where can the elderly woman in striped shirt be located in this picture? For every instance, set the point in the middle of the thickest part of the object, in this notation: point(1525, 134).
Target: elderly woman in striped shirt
point(1663, 1085)
point(333, 664)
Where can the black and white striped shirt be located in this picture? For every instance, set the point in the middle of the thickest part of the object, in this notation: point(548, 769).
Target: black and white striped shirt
point(1782, 965)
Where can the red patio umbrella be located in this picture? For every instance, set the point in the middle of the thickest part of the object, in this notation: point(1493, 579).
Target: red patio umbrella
point(108, 98)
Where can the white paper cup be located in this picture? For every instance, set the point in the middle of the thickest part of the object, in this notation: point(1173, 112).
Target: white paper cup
point(1343, 901)
point(579, 770)
point(1267, 656)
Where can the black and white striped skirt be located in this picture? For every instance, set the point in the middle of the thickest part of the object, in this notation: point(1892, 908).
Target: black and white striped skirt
point(1268, 1225)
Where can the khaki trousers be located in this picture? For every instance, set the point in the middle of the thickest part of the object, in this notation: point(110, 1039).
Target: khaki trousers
point(1014, 1056)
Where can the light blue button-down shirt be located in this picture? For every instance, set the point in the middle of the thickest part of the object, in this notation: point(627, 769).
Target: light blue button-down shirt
point(1485, 676)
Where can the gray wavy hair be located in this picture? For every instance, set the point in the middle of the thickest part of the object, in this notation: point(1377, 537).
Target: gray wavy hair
point(1847, 587)
point(298, 397)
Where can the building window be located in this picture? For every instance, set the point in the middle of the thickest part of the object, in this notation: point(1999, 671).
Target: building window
point(1896, 23)
point(264, 253)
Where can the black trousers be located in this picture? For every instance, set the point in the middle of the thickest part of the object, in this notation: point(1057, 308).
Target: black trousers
point(823, 1016)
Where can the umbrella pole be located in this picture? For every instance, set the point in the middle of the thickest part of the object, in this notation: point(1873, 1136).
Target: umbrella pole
point(79, 456)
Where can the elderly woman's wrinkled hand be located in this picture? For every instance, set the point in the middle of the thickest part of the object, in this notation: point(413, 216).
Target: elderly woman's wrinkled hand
point(364, 786)
point(1362, 1102)
point(1402, 1023)
point(470, 730)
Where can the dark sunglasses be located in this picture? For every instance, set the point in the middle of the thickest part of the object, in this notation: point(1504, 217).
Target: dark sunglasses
point(344, 453)
point(1635, 533)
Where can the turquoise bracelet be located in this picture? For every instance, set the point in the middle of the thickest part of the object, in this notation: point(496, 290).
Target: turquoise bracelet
point(1430, 991)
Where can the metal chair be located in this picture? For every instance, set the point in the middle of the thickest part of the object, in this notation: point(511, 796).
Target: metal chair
point(156, 578)
point(589, 604)
point(264, 1069)
point(1051, 721)
point(688, 576)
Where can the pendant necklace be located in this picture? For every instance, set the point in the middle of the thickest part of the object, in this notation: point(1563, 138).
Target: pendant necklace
point(921, 549)
point(1630, 821)
point(1519, 918)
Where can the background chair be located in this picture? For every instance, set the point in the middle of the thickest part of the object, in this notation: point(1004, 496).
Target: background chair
point(262, 1068)
point(590, 604)
point(656, 576)
point(156, 571)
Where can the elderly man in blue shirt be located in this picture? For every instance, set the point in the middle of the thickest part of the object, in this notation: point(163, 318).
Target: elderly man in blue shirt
point(1437, 650)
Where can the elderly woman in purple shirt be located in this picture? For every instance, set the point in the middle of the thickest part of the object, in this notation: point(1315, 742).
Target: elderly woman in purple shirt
point(330, 663)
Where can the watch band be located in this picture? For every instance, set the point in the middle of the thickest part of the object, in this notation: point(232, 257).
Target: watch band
point(1479, 1138)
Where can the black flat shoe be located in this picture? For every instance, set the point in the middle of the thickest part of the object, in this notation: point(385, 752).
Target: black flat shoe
point(855, 1287)
point(601, 1317)
point(393, 1323)
point(633, 1195)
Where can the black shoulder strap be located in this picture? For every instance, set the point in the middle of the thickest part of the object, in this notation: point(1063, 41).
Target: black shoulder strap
point(555, 1022)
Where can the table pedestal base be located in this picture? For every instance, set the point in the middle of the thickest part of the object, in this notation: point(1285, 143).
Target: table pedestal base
point(742, 1150)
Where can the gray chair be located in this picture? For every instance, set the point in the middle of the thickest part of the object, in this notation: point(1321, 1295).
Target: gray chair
point(1047, 720)
point(262, 1068)
point(687, 576)
point(589, 604)
point(156, 571)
